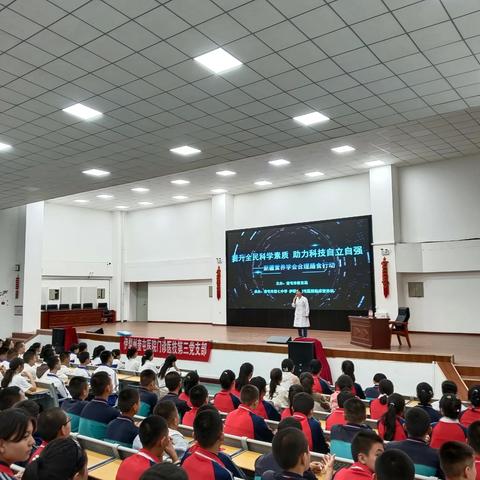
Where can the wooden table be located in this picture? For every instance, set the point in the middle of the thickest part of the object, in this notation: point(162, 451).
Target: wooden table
point(108, 471)
point(230, 450)
point(38, 391)
point(246, 460)
point(370, 332)
point(95, 458)
point(71, 318)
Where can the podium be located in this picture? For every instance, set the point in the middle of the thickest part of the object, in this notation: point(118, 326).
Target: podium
point(370, 332)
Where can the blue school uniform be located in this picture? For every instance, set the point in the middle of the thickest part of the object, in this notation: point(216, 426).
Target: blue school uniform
point(121, 430)
point(95, 417)
point(74, 408)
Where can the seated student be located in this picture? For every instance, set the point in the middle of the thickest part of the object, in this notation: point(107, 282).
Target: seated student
point(20, 348)
point(117, 359)
point(81, 369)
point(65, 369)
point(153, 434)
point(15, 377)
point(307, 382)
point(73, 353)
point(3, 357)
point(133, 363)
point(146, 390)
point(50, 376)
point(367, 446)
point(198, 398)
point(341, 436)
point(16, 440)
point(244, 376)
point(337, 417)
point(52, 423)
point(373, 392)
point(78, 388)
point(82, 347)
point(243, 422)
point(390, 425)
point(424, 457)
point(292, 391)
point(394, 465)
point(348, 368)
point(164, 471)
point(173, 382)
point(190, 380)
point(425, 395)
point(106, 359)
point(458, 461)
point(449, 426)
point(96, 354)
point(472, 414)
point(303, 411)
point(9, 396)
point(122, 430)
point(204, 459)
point(30, 367)
point(224, 400)
point(343, 384)
point(319, 384)
point(288, 376)
point(378, 406)
point(97, 414)
point(264, 409)
point(448, 387)
point(276, 393)
point(473, 436)
point(147, 362)
point(32, 409)
point(169, 365)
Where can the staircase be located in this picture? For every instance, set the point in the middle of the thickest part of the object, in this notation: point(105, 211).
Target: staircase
point(470, 375)
point(22, 337)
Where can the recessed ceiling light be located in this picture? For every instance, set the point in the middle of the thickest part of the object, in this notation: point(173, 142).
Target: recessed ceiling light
point(81, 200)
point(95, 172)
point(218, 60)
point(145, 204)
point(218, 190)
point(343, 149)
point(105, 196)
point(180, 182)
point(121, 207)
point(311, 118)
point(375, 163)
point(226, 173)
point(140, 189)
point(83, 112)
point(4, 147)
point(179, 197)
point(185, 150)
point(279, 163)
point(263, 183)
point(314, 174)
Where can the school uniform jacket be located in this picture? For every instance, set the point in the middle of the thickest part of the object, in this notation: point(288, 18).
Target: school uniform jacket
point(182, 406)
point(148, 400)
point(133, 466)
point(377, 409)
point(74, 408)
point(244, 423)
point(267, 410)
point(357, 471)
point(6, 473)
point(341, 437)
point(314, 433)
point(469, 416)
point(434, 415)
point(267, 462)
point(321, 386)
point(337, 417)
point(225, 401)
point(95, 417)
point(372, 392)
point(189, 417)
point(447, 430)
point(400, 433)
point(121, 430)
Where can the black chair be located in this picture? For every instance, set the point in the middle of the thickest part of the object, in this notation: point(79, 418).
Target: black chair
point(88, 305)
point(42, 307)
point(52, 307)
point(76, 306)
point(64, 306)
point(399, 327)
point(104, 306)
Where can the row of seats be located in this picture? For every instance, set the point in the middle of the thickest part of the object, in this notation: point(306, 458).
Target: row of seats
point(75, 306)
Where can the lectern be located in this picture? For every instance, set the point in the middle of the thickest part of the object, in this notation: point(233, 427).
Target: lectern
point(370, 332)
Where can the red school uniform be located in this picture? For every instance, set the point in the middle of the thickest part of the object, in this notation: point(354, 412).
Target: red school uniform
point(447, 430)
point(377, 409)
point(287, 412)
point(6, 472)
point(243, 422)
point(133, 466)
point(183, 396)
point(189, 417)
point(357, 471)
point(38, 451)
point(337, 417)
point(470, 415)
point(477, 464)
point(225, 401)
point(400, 433)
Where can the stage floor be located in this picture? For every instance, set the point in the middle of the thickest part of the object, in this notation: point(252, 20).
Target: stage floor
point(465, 348)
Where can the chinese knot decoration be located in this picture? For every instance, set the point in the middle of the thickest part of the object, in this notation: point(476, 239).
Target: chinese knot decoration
point(219, 283)
point(385, 282)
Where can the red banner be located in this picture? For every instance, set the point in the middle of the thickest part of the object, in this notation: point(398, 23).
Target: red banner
point(196, 350)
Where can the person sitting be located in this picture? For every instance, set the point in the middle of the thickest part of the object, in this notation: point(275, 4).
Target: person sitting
point(366, 447)
point(96, 354)
point(9, 396)
point(106, 359)
point(205, 460)
point(319, 384)
point(169, 365)
point(147, 389)
point(303, 411)
point(292, 391)
point(245, 373)
point(307, 382)
point(30, 366)
point(81, 369)
point(449, 426)
point(473, 436)
point(341, 436)
point(190, 380)
point(117, 359)
point(74, 353)
point(424, 457)
point(133, 363)
point(394, 465)
point(472, 413)
point(390, 425)
point(337, 417)
point(378, 406)
point(50, 376)
point(164, 471)
point(16, 377)
point(147, 362)
point(224, 400)
point(97, 414)
point(373, 392)
point(198, 398)
point(448, 387)
point(457, 461)
point(348, 368)
point(173, 382)
point(65, 369)
point(275, 392)
point(425, 395)
point(288, 376)
point(343, 384)
point(4, 363)
point(154, 437)
point(78, 388)
point(243, 422)
point(264, 409)
point(20, 348)
point(122, 430)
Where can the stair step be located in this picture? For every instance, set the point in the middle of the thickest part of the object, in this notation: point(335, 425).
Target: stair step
point(468, 370)
point(471, 380)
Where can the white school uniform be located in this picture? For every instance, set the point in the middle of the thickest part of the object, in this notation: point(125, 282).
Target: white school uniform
point(60, 387)
point(133, 364)
point(149, 365)
point(63, 373)
point(18, 380)
point(81, 371)
point(31, 369)
point(73, 358)
point(96, 361)
point(111, 373)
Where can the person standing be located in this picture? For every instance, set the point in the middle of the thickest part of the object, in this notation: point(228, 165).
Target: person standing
point(302, 311)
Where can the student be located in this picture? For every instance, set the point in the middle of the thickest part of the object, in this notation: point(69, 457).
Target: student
point(3, 357)
point(122, 430)
point(366, 447)
point(205, 460)
point(117, 359)
point(244, 376)
point(341, 436)
point(337, 417)
point(394, 465)
point(73, 357)
point(173, 382)
point(153, 434)
point(425, 395)
point(65, 369)
point(390, 425)
point(449, 426)
point(343, 383)
point(52, 423)
point(448, 387)
point(169, 365)
point(146, 390)
point(164, 471)
point(106, 359)
point(81, 369)
point(78, 388)
point(96, 354)
point(53, 364)
point(473, 435)
point(379, 406)
point(348, 368)
point(16, 440)
point(9, 396)
point(458, 461)
point(424, 457)
point(15, 377)
point(373, 392)
point(472, 413)
point(19, 347)
point(264, 409)
point(147, 362)
point(307, 382)
point(275, 392)
point(319, 384)
point(292, 391)
point(97, 414)
point(30, 367)
point(82, 347)
point(224, 400)
point(62, 459)
point(303, 411)
point(243, 422)
point(133, 363)
point(190, 380)
point(288, 376)
point(198, 398)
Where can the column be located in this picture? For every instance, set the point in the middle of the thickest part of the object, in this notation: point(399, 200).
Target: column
point(116, 283)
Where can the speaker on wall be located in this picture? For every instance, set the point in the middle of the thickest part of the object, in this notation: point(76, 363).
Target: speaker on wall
point(279, 339)
point(302, 353)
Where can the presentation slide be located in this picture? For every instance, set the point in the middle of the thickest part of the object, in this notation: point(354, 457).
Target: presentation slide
point(331, 261)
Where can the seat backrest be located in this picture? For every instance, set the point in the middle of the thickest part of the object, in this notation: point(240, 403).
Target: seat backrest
point(92, 428)
point(99, 446)
point(342, 449)
point(403, 314)
point(52, 392)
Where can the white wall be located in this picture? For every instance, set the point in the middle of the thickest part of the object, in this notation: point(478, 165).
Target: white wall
point(76, 284)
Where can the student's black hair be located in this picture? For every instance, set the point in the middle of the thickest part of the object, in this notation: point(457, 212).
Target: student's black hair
point(355, 411)
point(116, 353)
point(172, 381)
point(303, 403)
point(127, 398)
point(289, 422)
point(288, 365)
point(207, 427)
point(3, 350)
point(450, 406)
point(29, 355)
point(344, 382)
point(18, 344)
point(227, 378)
point(98, 350)
point(164, 471)
point(417, 422)
point(147, 377)
point(454, 457)
point(474, 395)
point(63, 356)
point(9, 396)
point(249, 394)
point(30, 407)
point(260, 383)
point(11, 354)
point(61, 459)
point(244, 374)
point(385, 388)
point(424, 393)
point(76, 386)
point(73, 347)
point(378, 376)
point(105, 356)
point(343, 396)
point(131, 352)
point(315, 366)
point(394, 465)
point(166, 409)
point(151, 430)
point(168, 363)
point(190, 380)
point(449, 386)
point(147, 355)
point(50, 423)
point(198, 395)
point(14, 364)
point(48, 354)
point(275, 381)
point(348, 368)
point(14, 424)
point(473, 435)
point(83, 357)
point(363, 442)
point(52, 362)
point(99, 383)
point(306, 381)
point(82, 347)
point(292, 392)
point(288, 445)
point(35, 346)
point(396, 406)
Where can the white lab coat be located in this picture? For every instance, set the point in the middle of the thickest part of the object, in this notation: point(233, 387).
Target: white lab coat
point(302, 311)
